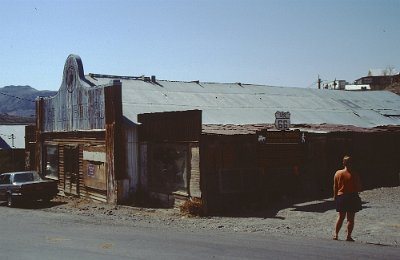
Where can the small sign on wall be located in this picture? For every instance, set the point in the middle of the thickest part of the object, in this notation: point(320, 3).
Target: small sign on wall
point(282, 120)
point(94, 176)
point(91, 171)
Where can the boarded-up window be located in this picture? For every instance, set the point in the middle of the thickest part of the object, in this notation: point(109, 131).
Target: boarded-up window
point(169, 165)
point(94, 173)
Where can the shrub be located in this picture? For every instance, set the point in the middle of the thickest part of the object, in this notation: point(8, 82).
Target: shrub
point(193, 207)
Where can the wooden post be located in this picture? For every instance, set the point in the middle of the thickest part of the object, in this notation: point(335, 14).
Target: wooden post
point(38, 138)
point(114, 148)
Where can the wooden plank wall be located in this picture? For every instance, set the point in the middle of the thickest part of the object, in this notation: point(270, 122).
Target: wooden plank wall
point(75, 139)
point(229, 173)
point(61, 176)
point(161, 134)
point(77, 106)
point(170, 126)
point(81, 109)
point(114, 141)
point(194, 178)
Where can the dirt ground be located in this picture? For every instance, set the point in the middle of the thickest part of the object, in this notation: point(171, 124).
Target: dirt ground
point(377, 223)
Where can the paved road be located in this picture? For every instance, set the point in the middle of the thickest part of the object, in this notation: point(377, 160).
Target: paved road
point(36, 234)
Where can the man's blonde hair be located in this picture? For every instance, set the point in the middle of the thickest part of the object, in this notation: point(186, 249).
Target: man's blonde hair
point(347, 161)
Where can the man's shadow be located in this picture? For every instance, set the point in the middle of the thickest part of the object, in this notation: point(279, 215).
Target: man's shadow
point(321, 206)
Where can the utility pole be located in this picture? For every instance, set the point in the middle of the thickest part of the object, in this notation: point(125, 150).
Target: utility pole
point(12, 137)
point(319, 82)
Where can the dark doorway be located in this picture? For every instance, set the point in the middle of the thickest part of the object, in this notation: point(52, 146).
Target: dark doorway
point(71, 170)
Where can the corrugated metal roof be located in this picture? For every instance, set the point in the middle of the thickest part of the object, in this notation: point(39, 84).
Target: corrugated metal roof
point(240, 104)
point(18, 132)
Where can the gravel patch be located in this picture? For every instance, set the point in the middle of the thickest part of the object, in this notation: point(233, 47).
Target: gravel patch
point(378, 222)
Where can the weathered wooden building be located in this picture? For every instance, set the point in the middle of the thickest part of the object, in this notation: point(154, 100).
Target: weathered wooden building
point(170, 155)
point(378, 82)
point(231, 166)
point(79, 137)
point(12, 147)
point(119, 138)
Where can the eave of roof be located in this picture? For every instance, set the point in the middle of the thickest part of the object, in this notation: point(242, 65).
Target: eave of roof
point(215, 129)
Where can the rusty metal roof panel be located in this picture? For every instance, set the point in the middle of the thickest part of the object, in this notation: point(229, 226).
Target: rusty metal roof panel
point(239, 104)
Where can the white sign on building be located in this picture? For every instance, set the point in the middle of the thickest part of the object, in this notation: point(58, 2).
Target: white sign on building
point(282, 120)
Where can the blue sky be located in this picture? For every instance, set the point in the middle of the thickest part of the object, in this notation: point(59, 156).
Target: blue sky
point(271, 42)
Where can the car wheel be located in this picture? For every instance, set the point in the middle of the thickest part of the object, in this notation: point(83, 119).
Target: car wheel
point(10, 201)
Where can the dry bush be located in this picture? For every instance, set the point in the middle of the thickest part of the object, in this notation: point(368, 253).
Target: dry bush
point(193, 207)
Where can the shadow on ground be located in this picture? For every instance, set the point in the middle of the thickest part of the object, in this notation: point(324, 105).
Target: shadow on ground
point(271, 210)
point(36, 204)
point(316, 206)
point(320, 207)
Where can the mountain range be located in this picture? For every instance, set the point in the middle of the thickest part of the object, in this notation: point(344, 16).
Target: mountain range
point(17, 103)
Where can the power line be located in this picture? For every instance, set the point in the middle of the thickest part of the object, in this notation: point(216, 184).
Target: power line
point(20, 98)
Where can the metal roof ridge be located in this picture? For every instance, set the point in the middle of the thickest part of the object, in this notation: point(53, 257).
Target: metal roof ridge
point(108, 76)
point(96, 75)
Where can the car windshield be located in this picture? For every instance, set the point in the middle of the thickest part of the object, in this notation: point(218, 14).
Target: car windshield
point(26, 176)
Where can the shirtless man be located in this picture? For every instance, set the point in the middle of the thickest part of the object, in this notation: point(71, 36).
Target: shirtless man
point(346, 186)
